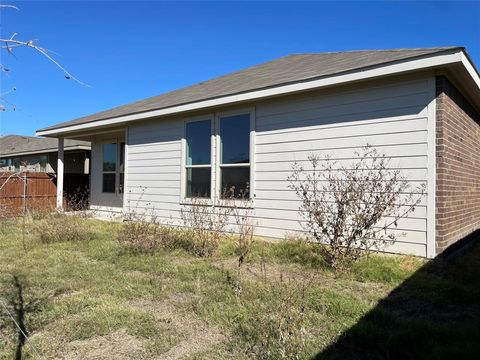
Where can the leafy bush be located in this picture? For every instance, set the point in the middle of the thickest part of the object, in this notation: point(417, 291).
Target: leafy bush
point(60, 227)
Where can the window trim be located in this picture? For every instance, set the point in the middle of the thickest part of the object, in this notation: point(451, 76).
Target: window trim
point(215, 188)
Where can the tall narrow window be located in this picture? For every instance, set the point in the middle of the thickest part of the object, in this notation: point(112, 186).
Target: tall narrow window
point(109, 167)
point(121, 168)
point(198, 158)
point(235, 156)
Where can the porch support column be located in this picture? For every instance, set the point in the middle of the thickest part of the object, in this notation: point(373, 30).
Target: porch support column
point(60, 169)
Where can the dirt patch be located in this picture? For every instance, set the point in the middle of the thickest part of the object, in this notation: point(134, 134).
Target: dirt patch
point(197, 335)
point(117, 345)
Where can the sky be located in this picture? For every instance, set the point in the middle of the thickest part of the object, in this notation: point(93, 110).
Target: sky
point(127, 51)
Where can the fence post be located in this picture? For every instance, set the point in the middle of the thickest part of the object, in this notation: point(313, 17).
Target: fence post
point(24, 192)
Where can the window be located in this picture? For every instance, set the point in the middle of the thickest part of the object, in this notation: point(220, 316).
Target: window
point(198, 166)
point(16, 163)
point(231, 160)
point(37, 163)
point(235, 156)
point(109, 167)
point(113, 167)
point(121, 168)
point(43, 161)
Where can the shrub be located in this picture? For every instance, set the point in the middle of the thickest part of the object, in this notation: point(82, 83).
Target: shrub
point(205, 225)
point(353, 206)
point(148, 237)
point(61, 227)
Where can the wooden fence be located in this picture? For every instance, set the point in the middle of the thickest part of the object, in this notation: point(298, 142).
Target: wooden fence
point(28, 191)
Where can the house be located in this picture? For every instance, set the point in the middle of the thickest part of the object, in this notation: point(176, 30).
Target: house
point(19, 153)
point(27, 153)
point(420, 106)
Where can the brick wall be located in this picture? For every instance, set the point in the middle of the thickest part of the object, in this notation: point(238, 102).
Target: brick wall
point(458, 166)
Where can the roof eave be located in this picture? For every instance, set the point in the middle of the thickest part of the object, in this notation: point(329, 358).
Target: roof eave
point(45, 151)
point(395, 68)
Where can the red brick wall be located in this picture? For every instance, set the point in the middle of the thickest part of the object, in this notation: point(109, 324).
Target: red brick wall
point(458, 166)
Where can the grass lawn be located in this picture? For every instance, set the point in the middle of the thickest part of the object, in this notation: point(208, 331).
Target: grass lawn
point(97, 300)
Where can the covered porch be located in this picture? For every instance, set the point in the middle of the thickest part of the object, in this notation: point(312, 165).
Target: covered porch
point(107, 169)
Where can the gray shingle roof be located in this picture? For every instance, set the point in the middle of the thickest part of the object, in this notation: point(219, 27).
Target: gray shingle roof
point(285, 70)
point(18, 144)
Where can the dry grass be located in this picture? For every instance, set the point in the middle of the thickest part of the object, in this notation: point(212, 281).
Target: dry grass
point(61, 227)
point(93, 299)
point(149, 237)
point(116, 345)
point(197, 335)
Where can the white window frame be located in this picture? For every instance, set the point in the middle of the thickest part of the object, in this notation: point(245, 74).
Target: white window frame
point(218, 165)
point(183, 172)
point(117, 142)
point(215, 180)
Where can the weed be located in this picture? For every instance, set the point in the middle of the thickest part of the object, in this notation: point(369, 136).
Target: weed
point(206, 225)
point(148, 237)
point(278, 331)
point(60, 227)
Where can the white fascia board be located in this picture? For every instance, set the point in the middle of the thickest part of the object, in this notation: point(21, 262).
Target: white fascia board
point(385, 70)
point(471, 69)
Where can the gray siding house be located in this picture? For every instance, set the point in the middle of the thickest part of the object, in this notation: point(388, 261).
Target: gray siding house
point(247, 128)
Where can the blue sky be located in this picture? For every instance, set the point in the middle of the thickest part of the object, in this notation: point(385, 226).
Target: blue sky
point(128, 51)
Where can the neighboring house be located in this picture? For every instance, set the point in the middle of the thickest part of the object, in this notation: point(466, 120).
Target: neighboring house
point(20, 153)
point(420, 106)
point(28, 153)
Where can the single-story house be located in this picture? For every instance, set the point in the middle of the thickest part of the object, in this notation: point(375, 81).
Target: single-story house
point(247, 128)
point(19, 153)
point(27, 153)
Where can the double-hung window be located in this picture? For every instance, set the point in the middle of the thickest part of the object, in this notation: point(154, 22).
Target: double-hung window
point(231, 162)
point(198, 167)
point(234, 157)
point(113, 153)
point(109, 167)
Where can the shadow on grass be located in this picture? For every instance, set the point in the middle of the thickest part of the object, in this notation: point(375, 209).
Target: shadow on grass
point(434, 314)
point(15, 313)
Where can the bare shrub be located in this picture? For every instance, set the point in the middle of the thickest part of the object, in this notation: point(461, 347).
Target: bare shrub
point(79, 199)
point(241, 212)
point(353, 207)
point(278, 329)
point(60, 227)
point(38, 211)
point(146, 235)
point(205, 225)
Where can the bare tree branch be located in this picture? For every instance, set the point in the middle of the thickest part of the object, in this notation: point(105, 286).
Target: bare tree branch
point(11, 43)
point(9, 6)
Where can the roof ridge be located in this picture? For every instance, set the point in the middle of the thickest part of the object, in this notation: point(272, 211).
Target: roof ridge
point(440, 48)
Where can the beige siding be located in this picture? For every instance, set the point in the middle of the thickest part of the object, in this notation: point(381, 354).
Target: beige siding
point(154, 166)
point(391, 115)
